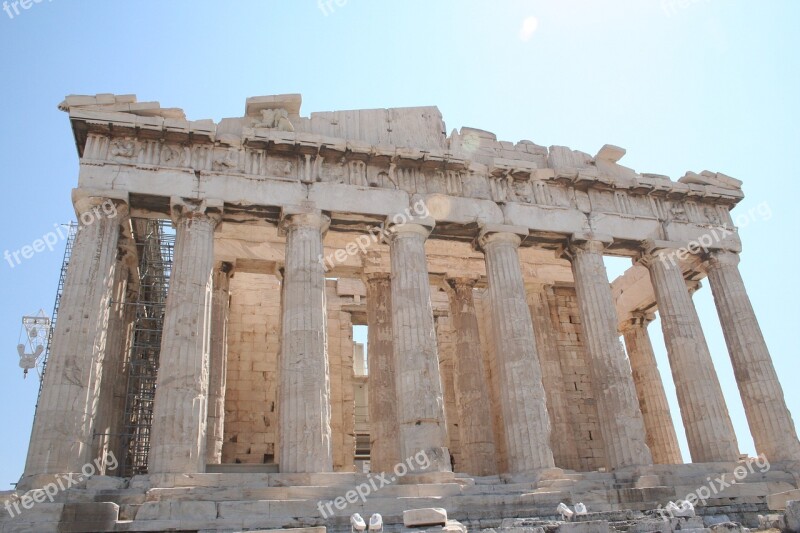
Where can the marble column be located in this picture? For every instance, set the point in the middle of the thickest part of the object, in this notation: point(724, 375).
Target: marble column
point(661, 437)
point(420, 400)
point(384, 451)
point(619, 416)
point(305, 390)
point(562, 438)
point(475, 432)
point(522, 395)
point(110, 417)
point(63, 427)
point(771, 424)
point(180, 407)
point(708, 426)
point(218, 361)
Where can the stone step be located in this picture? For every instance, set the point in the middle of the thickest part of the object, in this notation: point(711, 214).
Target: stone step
point(565, 485)
point(330, 479)
point(777, 501)
point(197, 515)
point(48, 517)
point(161, 516)
point(293, 493)
point(284, 513)
point(242, 468)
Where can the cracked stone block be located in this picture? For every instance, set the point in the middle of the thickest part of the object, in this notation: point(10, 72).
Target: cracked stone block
point(595, 526)
point(432, 516)
point(793, 516)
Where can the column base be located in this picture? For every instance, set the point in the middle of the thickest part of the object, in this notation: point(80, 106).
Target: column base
point(39, 481)
point(427, 478)
point(429, 462)
point(533, 476)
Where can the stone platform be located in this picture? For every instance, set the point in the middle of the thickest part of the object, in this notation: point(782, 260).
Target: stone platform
point(251, 501)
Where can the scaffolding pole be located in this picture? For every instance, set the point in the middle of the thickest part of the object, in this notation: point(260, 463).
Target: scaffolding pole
point(72, 231)
point(155, 242)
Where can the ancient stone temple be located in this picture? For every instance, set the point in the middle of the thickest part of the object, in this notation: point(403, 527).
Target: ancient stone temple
point(203, 374)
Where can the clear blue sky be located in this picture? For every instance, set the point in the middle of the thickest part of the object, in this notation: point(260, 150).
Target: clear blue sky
point(711, 85)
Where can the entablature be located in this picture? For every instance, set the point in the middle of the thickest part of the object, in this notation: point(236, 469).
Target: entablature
point(257, 166)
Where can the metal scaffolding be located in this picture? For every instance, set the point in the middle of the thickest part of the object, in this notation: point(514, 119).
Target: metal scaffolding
point(155, 243)
point(72, 231)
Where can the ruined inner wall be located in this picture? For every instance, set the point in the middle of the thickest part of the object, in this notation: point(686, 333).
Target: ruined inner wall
point(251, 425)
point(342, 378)
point(577, 380)
point(251, 418)
point(446, 339)
point(483, 313)
point(565, 320)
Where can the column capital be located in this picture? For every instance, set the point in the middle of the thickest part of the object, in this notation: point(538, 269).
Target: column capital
point(225, 267)
point(663, 251)
point(303, 217)
point(585, 242)
point(189, 208)
point(719, 258)
point(108, 203)
point(693, 285)
point(461, 282)
point(401, 224)
point(494, 233)
point(637, 319)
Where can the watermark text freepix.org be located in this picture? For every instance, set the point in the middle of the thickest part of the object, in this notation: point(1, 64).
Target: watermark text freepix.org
point(61, 483)
point(373, 235)
point(716, 486)
point(51, 238)
point(671, 7)
point(329, 6)
point(420, 462)
point(760, 212)
point(11, 7)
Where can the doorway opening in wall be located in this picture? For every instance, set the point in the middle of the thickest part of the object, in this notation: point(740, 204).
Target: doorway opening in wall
point(360, 364)
point(361, 396)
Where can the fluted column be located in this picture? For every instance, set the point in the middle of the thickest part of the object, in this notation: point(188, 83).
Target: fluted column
point(661, 437)
point(770, 422)
point(562, 437)
point(305, 391)
point(62, 434)
point(472, 388)
point(619, 417)
point(63, 427)
point(180, 407)
point(110, 417)
point(522, 395)
point(218, 362)
point(708, 426)
point(384, 452)
point(420, 401)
